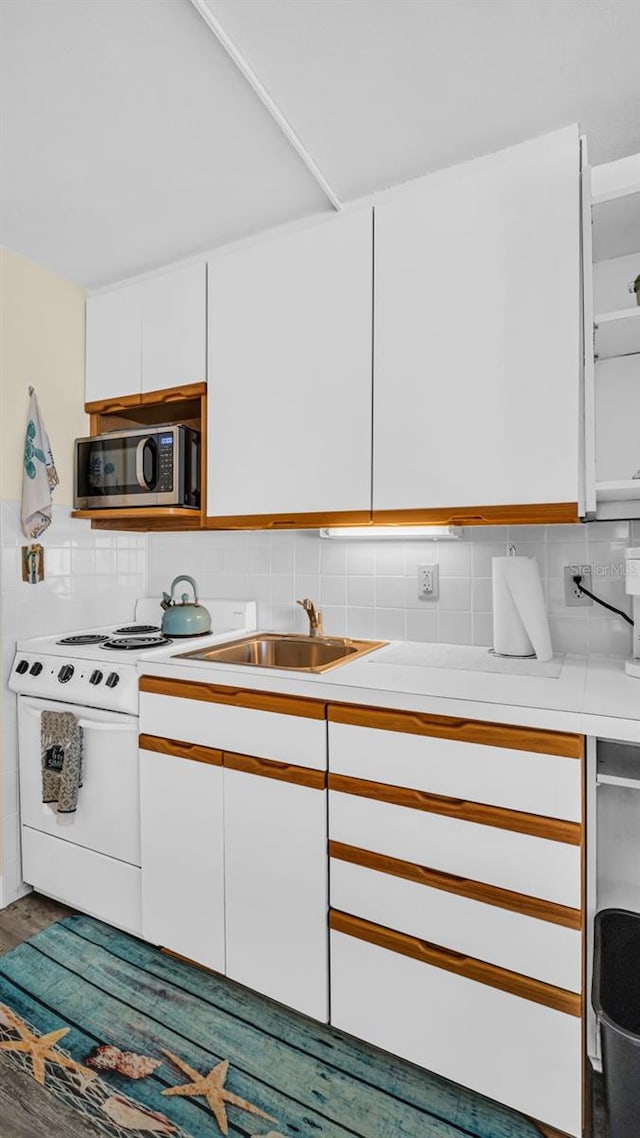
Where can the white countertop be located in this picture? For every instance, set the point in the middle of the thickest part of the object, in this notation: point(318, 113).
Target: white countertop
point(591, 695)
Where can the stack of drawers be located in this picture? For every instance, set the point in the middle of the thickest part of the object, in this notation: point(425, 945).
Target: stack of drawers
point(456, 901)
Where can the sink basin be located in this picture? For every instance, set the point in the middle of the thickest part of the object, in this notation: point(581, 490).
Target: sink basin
point(290, 652)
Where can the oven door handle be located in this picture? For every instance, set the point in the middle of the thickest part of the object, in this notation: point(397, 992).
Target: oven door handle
point(90, 724)
point(97, 725)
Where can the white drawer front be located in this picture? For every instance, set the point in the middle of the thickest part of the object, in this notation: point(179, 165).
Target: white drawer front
point(265, 734)
point(518, 1052)
point(498, 776)
point(535, 866)
point(549, 952)
point(95, 884)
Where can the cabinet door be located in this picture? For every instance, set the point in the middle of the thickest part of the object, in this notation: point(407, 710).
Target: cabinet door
point(174, 328)
point(182, 854)
point(113, 345)
point(290, 373)
point(477, 302)
point(276, 883)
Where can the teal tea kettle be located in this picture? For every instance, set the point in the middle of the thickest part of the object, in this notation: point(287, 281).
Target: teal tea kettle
point(184, 617)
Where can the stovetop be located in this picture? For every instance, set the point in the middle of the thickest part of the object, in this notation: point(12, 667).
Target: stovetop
point(97, 667)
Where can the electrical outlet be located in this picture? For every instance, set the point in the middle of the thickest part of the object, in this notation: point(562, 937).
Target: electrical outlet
point(428, 582)
point(572, 594)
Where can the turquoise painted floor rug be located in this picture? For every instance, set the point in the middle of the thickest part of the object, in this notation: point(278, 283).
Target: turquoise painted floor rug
point(145, 1045)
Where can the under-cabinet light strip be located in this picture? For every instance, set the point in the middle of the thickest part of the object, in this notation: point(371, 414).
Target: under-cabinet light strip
point(393, 533)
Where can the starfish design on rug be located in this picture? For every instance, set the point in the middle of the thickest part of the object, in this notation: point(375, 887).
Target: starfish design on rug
point(212, 1088)
point(40, 1047)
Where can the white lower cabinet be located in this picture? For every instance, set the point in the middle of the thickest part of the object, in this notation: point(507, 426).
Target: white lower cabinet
point(234, 836)
point(453, 891)
point(276, 888)
point(183, 856)
point(512, 1049)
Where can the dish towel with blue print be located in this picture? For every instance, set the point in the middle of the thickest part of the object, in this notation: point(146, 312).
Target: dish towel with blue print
point(39, 475)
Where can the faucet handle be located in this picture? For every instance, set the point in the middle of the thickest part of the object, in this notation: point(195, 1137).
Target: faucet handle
point(307, 604)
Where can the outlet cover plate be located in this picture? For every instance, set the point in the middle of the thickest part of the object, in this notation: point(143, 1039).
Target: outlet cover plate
point(427, 582)
point(572, 596)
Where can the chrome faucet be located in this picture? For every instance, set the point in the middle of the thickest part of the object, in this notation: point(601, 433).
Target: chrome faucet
point(315, 618)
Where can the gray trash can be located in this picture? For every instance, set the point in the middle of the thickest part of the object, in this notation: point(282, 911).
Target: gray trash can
point(616, 1000)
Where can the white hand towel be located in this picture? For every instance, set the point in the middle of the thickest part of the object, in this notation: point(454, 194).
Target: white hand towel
point(39, 476)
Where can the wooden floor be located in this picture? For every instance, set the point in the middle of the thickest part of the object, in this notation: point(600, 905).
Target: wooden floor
point(28, 1110)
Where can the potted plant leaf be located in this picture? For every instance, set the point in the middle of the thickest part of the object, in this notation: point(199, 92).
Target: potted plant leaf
point(635, 287)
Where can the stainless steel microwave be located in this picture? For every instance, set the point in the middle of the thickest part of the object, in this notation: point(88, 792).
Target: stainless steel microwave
point(157, 466)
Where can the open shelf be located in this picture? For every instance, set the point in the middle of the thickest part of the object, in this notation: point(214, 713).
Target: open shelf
point(625, 490)
point(619, 765)
point(617, 333)
point(151, 519)
point(186, 404)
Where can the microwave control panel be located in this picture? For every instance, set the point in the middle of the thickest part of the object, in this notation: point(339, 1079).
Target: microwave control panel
point(165, 462)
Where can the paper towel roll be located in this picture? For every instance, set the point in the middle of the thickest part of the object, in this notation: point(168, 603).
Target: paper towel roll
point(520, 623)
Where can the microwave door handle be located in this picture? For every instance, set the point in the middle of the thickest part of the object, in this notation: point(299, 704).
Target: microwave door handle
point(141, 480)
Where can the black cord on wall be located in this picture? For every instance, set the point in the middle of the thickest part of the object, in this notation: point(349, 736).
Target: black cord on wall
point(577, 580)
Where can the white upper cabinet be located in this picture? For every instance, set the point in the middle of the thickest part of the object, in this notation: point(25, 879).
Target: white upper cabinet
point(147, 336)
point(114, 344)
point(174, 329)
point(477, 372)
point(290, 372)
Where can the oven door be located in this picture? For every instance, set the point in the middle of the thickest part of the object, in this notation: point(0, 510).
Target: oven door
point(108, 813)
point(129, 468)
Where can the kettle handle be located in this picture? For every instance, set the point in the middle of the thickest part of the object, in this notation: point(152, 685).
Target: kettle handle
point(191, 581)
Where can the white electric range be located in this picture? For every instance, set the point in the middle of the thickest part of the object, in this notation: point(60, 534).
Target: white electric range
point(91, 859)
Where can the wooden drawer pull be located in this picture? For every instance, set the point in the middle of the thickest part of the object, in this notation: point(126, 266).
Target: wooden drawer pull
point(489, 974)
point(271, 768)
point(235, 697)
point(180, 749)
point(532, 739)
point(462, 886)
point(555, 829)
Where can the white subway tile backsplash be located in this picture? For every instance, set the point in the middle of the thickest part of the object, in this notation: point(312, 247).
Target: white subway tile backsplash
point(360, 591)
point(391, 624)
point(481, 595)
point(361, 558)
point(454, 627)
point(482, 629)
point(454, 558)
point(333, 557)
point(422, 625)
point(333, 591)
point(455, 594)
point(482, 554)
point(390, 592)
point(361, 622)
point(356, 582)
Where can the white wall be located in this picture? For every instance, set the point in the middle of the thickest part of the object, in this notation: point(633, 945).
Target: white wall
point(42, 336)
point(369, 589)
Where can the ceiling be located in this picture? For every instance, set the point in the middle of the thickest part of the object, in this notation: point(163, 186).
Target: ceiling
point(129, 137)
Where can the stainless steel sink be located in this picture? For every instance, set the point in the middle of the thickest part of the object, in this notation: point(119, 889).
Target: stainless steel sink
point(289, 652)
